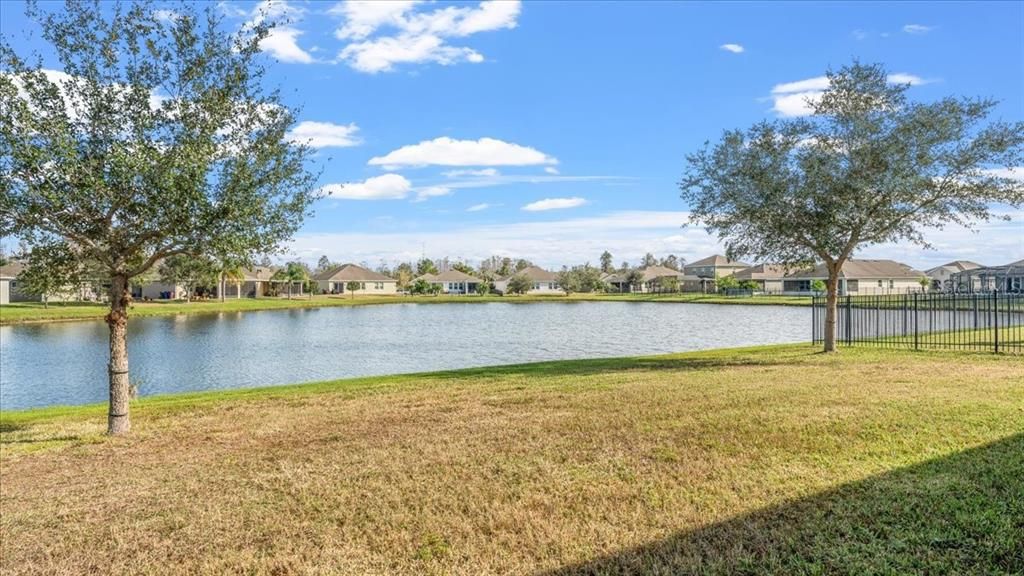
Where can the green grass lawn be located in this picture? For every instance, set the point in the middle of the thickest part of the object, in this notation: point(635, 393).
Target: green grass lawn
point(18, 312)
point(775, 460)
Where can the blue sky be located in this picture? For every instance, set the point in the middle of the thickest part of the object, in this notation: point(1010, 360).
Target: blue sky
point(556, 130)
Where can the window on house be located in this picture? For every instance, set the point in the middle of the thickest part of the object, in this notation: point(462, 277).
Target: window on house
point(879, 283)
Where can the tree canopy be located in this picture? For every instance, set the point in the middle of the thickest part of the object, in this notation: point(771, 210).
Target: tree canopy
point(867, 167)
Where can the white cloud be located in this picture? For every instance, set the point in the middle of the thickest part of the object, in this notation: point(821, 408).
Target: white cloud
point(281, 44)
point(797, 98)
point(282, 39)
point(551, 170)
point(1013, 173)
point(464, 173)
point(917, 29)
point(166, 15)
point(734, 48)
point(554, 204)
point(478, 207)
point(324, 134)
point(428, 192)
point(628, 236)
point(446, 151)
point(385, 187)
point(415, 37)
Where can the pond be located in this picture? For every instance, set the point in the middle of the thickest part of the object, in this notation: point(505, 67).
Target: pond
point(65, 363)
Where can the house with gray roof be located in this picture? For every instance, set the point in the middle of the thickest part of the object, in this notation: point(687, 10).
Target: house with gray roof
point(653, 279)
point(1005, 278)
point(942, 276)
point(336, 280)
point(859, 277)
point(9, 280)
point(768, 276)
point(544, 282)
point(714, 266)
point(452, 282)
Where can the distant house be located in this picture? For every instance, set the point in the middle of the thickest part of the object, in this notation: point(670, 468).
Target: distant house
point(11, 291)
point(859, 277)
point(1005, 278)
point(335, 280)
point(942, 276)
point(8, 280)
point(452, 282)
point(653, 279)
point(543, 282)
point(714, 266)
point(158, 291)
point(768, 276)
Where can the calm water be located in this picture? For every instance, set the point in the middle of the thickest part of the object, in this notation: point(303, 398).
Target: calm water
point(65, 363)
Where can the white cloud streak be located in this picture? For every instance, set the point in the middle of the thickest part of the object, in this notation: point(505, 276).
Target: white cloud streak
point(917, 29)
point(384, 187)
point(554, 204)
point(325, 134)
point(446, 151)
point(797, 98)
point(734, 48)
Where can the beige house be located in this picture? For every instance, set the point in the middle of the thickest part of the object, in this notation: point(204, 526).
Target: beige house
point(942, 276)
point(768, 276)
point(860, 277)
point(8, 280)
point(714, 266)
point(544, 282)
point(452, 282)
point(336, 280)
point(653, 279)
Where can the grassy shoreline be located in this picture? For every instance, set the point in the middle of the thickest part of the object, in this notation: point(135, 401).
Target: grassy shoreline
point(757, 460)
point(34, 312)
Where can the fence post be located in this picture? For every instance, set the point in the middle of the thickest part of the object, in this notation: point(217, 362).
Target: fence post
point(849, 322)
point(916, 343)
point(995, 322)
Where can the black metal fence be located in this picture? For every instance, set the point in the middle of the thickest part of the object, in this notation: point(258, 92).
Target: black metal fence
point(992, 321)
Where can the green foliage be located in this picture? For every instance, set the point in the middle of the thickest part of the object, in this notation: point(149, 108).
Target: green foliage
point(724, 283)
point(158, 141)
point(291, 274)
point(191, 272)
point(750, 285)
point(606, 262)
point(634, 278)
point(818, 286)
point(649, 260)
point(420, 287)
point(519, 284)
point(483, 288)
point(425, 266)
point(49, 271)
point(353, 286)
point(464, 268)
point(323, 264)
point(668, 284)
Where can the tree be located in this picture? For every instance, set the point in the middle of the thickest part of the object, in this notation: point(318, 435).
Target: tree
point(425, 266)
point(569, 281)
point(188, 271)
point(353, 287)
point(649, 260)
point(519, 284)
point(751, 285)
point(231, 273)
point(292, 273)
point(867, 167)
point(420, 287)
point(606, 262)
point(669, 284)
point(403, 274)
point(464, 268)
point(506, 268)
point(48, 273)
point(522, 264)
point(818, 286)
point(726, 283)
point(323, 264)
point(157, 139)
point(483, 288)
point(634, 278)
point(673, 262)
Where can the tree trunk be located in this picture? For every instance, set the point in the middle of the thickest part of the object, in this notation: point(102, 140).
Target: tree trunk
point(831, 307)
point(221, 286)
point(117, 321)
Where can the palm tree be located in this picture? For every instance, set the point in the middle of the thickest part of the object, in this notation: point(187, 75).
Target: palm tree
point(293, 272)
point(234, 274)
